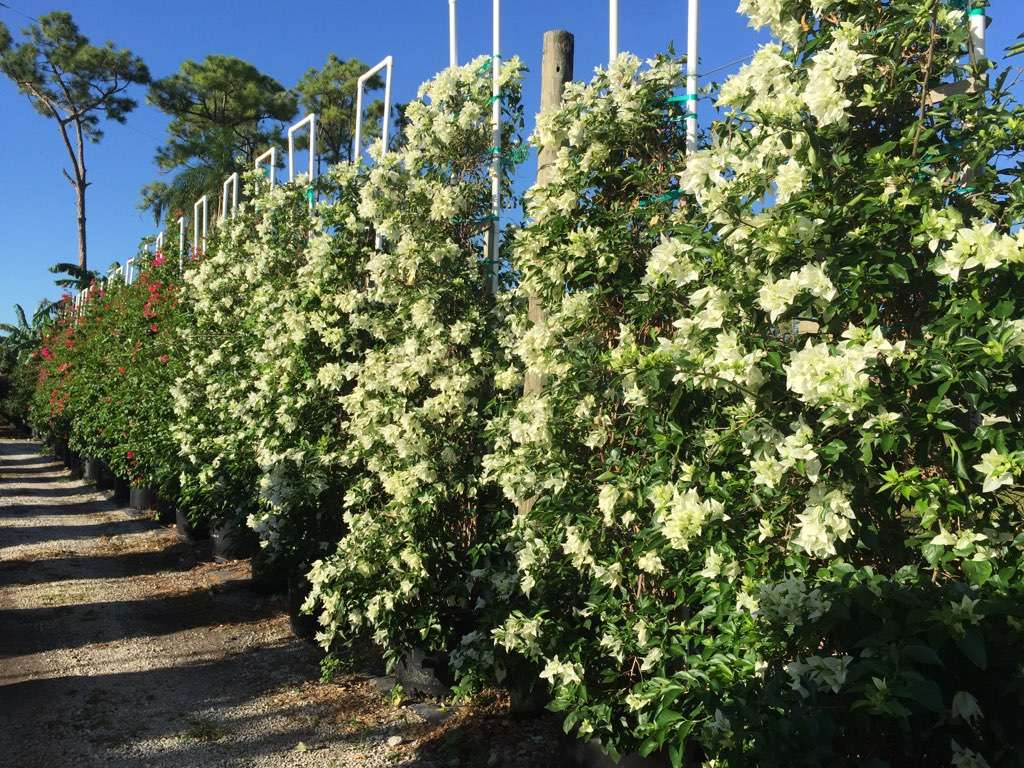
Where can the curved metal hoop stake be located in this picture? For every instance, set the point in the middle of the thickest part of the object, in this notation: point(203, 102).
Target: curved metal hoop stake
point(199, 245)
point(268, 158)
point(228, 211)
point(309, 119)
point(388, 64)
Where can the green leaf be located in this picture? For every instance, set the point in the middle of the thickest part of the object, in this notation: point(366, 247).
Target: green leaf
point(973, 646)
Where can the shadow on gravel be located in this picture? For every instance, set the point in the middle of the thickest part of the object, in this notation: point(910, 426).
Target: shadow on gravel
point(10, 482)
point(178, 558)
point(42, 534)
point(31, 474)
point(69, 488)
point(33, 630)
point(115, 714)
point(28, 463)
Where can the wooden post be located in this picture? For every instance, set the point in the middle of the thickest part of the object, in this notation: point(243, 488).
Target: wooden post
point(555, 72)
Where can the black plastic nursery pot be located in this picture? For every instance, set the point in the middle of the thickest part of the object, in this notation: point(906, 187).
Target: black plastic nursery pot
point(587, 754)
point(186, 530)
point(267, 579)
point(91, 470)
point(424, 674)
point(74, 464)
point(303, 625)
point(122, 490)
point(105, 478)
point(142, 497)
point(232, 541)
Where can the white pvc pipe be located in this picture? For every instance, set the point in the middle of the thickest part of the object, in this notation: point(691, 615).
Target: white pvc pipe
point(181, 244)
point(199, 245)
point(453, 43)
point(128, 271)
point(692, 56)
point(492, 235)
point(613, 30)
point(159, 241)
point(978, 22)
point(309, 119)
point(386, 63)
point(271, 159)
point(226, 211)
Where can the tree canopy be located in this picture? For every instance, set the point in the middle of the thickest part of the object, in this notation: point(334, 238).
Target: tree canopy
point(222, 117)
point(77, 84)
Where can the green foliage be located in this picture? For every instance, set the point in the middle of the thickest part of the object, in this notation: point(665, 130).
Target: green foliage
point(69, 79)
point(330, 92)
point(222, 112)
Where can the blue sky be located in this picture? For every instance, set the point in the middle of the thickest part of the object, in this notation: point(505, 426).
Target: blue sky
point(37, 216)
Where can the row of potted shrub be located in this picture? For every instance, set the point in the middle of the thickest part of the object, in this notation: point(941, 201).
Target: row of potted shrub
point(758, 504)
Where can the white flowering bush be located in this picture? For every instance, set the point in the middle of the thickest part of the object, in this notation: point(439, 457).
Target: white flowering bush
point(768, 496)
point(419, 565)
point(234, 292)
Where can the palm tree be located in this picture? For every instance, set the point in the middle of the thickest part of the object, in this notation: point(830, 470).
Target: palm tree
point(23, 336)
point(76, 277)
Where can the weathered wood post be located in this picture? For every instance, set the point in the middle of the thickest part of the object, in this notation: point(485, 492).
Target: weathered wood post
point(555, 72)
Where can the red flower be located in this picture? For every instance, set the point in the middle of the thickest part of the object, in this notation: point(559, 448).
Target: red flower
point(154, 328)
point(130, 455)
point(121, 370)
point(159, 261)
point(46, 353)
point(164, 358)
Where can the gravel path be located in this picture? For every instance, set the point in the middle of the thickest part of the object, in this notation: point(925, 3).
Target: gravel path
point(120, 646)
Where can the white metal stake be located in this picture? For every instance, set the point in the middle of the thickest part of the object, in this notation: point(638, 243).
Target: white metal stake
point(492, 232)
point(181, 244)
point(453, 43)
point(310, 120)
point(269, 158)
point(199, 245)
point(613, 30)
point(160, 241)
point(692, 56)
point(386, 63)
point(228, 211)
point(128, 271)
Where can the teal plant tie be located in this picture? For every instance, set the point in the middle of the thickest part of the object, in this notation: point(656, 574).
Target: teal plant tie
point(667, 197)
point(310, 195)
point(484, 67)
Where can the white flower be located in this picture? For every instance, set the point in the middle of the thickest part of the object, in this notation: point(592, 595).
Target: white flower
point(607, 498)
point(965, 707)
point(996, 467)
point(790, 179)
point(561, 672)
point(681, 515)
point(712, 565)
point(668, 262)
point(650, 563)
point(824, 521)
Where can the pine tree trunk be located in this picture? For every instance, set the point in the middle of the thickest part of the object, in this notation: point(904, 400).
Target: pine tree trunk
point(80, 193)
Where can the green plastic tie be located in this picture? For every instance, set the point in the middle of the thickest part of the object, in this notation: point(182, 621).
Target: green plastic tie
point(310, 195)
point(484, 67)
point(675, 194)
point(977, 12)
point(682, 98)
point(964, 190)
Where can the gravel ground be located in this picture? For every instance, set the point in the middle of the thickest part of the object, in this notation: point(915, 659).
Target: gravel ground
point(120, 646)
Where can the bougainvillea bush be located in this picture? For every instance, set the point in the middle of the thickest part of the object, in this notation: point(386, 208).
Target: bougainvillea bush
point(106, 374)
point(769, 511)
point(417, 566)
point(235, 285)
